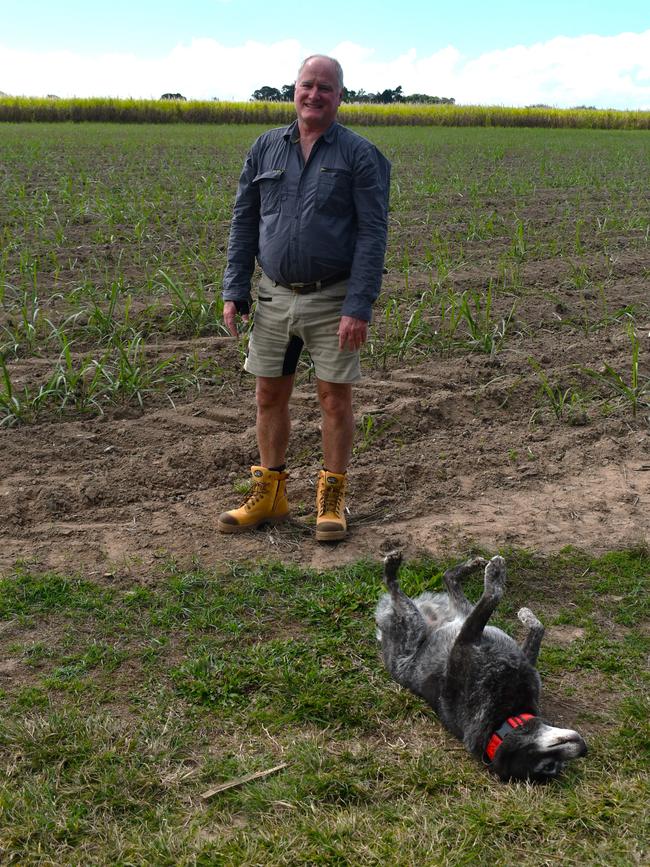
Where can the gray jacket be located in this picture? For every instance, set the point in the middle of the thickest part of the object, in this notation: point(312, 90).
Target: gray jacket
point(311, 221)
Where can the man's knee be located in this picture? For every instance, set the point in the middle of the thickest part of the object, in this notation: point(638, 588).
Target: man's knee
point(273, 392)
point(335, 398)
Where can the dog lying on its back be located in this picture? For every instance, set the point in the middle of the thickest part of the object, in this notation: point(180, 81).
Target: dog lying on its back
point(483, 686)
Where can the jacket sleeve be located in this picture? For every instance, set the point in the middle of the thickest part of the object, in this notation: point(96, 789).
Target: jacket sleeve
point(244, 236)
point(371, 194)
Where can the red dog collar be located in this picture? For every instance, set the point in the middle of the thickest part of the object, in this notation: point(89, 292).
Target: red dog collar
point(513, 722)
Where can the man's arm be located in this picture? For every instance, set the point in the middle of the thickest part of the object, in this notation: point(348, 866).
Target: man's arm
point(242, 244)
point(371, 180)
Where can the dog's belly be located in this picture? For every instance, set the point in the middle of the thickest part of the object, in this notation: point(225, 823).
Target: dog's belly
point(493, 671)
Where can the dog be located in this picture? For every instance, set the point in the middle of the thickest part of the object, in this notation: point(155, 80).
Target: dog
point(483, 686)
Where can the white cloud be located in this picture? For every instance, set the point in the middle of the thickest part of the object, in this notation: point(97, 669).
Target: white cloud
point(606, 71)
point(201, 70)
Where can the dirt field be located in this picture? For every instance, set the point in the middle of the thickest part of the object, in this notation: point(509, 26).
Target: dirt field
point(455, 448)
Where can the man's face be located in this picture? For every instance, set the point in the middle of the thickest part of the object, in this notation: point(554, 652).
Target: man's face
point(317, 95)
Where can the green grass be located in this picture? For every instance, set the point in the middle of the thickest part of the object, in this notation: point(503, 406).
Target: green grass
point(125, 704)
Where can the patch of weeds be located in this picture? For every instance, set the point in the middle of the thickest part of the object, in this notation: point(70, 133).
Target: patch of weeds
point(30, 698)
point(281, 682)
point(71, 771)
point(25, 593)
point(594, 652)
point(70, 673)
point(632, 737)
point(35, 654)
point(242, 486)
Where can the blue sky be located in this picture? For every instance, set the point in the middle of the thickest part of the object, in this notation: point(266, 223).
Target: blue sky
point(510, 53)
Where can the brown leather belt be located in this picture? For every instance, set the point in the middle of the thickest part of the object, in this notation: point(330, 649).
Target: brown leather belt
point(308, 288)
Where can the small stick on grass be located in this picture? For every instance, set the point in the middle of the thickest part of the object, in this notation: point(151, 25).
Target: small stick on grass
point(239, 781)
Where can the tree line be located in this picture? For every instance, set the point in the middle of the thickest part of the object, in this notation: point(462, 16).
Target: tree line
point(384, 97)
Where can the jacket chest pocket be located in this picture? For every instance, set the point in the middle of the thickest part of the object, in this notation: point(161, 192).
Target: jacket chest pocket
point(270, 187)
point(334, 192)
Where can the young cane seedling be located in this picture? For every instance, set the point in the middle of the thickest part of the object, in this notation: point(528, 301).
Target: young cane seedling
point(12, 408)
point(565, 403)
point(486, 333)
point(102, 323)
point(636, 392)
point(403, 333)
point(195, 312)
point(518, 246)
point(451, 315)
point(371, 430)
point(75, 382)
point(24, 327)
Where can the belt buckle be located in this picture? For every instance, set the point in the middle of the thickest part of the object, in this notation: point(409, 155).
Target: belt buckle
point(296, 287)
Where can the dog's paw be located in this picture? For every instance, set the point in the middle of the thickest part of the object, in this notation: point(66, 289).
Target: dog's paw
point(475, 563)
point(392, 562)
point(528, 619)
point(389, 544)
point(495, 575)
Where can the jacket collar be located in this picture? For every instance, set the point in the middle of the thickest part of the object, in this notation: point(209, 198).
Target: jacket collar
point(293, 135)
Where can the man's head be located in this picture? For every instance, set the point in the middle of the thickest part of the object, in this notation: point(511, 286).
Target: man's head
point(318, 94)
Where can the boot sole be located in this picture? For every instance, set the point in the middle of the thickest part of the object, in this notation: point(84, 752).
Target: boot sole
point(245, 528)
point(330, 535)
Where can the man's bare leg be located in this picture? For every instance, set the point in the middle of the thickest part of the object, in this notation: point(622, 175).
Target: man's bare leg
point(272, 394)
point(337, 424)
point(337, 434)
point(267, 499)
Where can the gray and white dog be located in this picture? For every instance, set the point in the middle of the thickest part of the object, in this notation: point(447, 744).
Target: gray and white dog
point(483, 686)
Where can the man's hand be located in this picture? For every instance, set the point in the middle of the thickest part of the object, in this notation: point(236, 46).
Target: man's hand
point(352, 332)
point(230, 317)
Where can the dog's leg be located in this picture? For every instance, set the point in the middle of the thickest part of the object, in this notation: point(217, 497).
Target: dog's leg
point(494, 585)
point(462, 656)
point(453, 579)
point(533, 640)
point(407, 628)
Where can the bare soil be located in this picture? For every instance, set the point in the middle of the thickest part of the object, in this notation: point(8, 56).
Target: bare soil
point(460, 453)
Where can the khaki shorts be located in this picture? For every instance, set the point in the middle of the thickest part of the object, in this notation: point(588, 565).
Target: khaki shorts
point(285, 322)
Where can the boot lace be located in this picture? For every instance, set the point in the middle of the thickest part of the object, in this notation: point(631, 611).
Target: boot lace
point(256, 493)
point(330, 499)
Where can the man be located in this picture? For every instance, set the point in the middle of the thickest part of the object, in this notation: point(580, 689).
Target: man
point(312, 206)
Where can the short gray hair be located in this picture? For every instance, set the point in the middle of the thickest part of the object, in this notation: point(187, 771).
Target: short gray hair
point(337, 66)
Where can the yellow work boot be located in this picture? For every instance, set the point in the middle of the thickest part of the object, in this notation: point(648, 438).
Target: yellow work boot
point(330, 507)
point(265, 503)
